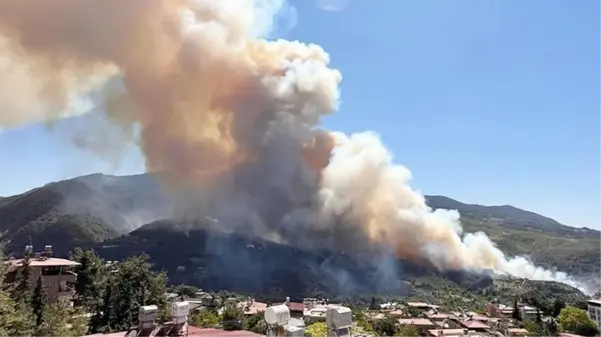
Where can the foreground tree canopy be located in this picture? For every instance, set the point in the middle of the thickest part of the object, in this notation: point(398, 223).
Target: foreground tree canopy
point(576, 320)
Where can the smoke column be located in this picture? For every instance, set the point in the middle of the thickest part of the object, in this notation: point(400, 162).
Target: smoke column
point(230, 120)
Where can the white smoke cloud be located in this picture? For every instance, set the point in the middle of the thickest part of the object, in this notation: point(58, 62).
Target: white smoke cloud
point(230, 120)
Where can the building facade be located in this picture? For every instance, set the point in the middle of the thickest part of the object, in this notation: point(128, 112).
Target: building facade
point(594, 311)
point(57, 274)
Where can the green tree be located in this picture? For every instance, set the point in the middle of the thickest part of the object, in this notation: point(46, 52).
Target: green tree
point(515, 314)
point(15, 317)
point(317, 329)
point(558, 305)
point(386, 326)
point(206, 318)
point(361, 320)
point(91, 276)
point(106, 320)
point(38, 301)
point(408, 330)
point(136, 285)
point(531, 326)
point(232, 317)
point(575, 320)
point(22, 290)
point(255, 323)
point(184, 291)
point(374, 305)
point(59, 320)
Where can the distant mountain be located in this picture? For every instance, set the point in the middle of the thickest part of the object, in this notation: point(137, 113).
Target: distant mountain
point(79, 211)
point(108, 214)
point(101, 208)
point(511, 217)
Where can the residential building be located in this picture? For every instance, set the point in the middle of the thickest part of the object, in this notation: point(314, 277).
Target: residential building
point(57, 274)
point(297, 309)
point(475, 326)
point(422, 324)
point(594, 311)
point(494, 309)
point(422, 306)
point(315, 314)
point(252, 307)
point(447, 332)
point(528, 312)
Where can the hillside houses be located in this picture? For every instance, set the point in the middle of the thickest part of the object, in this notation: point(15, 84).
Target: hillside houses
point(430, 320)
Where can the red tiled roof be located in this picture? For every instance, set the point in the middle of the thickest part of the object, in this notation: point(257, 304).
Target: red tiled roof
point(474, 325)
point(481, 318)
point(295, 306)
point(438, 316)
point(415, 321)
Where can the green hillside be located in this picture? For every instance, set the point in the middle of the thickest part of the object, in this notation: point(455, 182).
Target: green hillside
point(38, 217)
point(578, 256)
point(94, 210)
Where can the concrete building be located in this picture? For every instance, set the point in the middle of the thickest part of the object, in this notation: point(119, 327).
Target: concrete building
point(594, 311)
point(57, 274)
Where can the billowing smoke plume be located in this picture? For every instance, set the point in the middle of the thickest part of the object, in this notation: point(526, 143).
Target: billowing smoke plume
point(230, 120)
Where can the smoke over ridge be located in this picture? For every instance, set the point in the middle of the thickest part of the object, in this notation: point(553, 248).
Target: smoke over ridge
point(231, 122)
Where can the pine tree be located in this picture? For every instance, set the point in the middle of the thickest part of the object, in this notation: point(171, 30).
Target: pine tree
point(516, 311)
point(22, 291)
point(39, 301)
point(90, 278)
point(108, 312)
point(58, 321)
point(15, 318)
point(557, 306)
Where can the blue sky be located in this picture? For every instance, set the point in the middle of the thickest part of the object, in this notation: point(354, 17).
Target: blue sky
point(490, 102)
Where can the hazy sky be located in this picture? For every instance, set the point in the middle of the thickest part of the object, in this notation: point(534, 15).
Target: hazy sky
point(490, 102)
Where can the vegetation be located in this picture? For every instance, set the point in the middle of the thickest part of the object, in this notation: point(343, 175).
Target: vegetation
point(576, 321)
point(318, 329)
point(207, 318)
point(24, 310)
point(185, 291)
point(125, 288)
point(408, 330)
point(386, 327)
point(74, 213)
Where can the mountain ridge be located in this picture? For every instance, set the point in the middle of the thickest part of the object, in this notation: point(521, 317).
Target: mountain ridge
point(92, 212)
point(511, 216)
point(95, 209)
point(99, 181)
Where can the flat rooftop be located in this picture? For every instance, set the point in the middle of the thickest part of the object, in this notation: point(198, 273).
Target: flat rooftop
point(596, 301)
point(48, 262)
